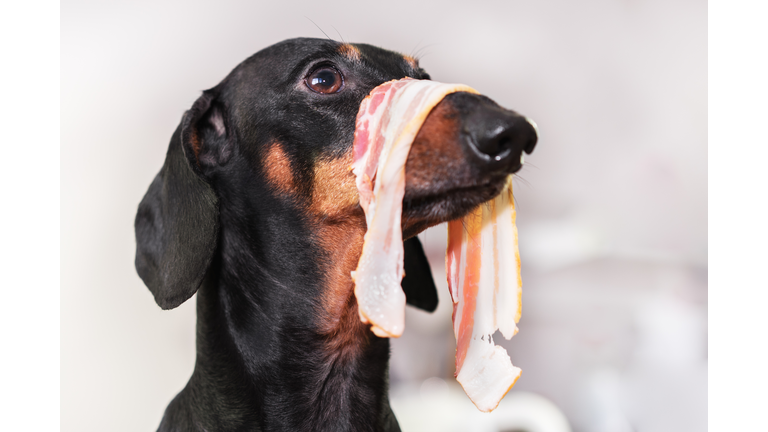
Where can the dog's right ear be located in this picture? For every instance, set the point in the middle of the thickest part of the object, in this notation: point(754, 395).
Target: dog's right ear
point(418, 284)
point(177, 222)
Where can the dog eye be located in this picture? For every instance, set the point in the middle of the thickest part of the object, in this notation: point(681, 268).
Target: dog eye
point(325, 80)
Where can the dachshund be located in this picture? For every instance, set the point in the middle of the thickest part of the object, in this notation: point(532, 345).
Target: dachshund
point(256, 210)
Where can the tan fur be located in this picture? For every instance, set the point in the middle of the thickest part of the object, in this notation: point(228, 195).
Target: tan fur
point(340, 228)
point(436, 150)
point(340, 322)
point(334, 194)
point(411, 61)
point(349, 51)
point(277, 167)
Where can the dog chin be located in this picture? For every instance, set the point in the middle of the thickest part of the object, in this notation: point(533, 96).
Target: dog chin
point(424, 211)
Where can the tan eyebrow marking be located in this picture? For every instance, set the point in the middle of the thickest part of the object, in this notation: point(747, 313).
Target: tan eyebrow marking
point(349, 51)
point(411, 61)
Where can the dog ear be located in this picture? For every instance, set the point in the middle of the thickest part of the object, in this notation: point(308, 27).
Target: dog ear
point(418, 285)
point(177, 222)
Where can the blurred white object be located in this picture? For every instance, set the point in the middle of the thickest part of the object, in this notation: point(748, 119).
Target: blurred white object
point(671, 332)
point(666, 381)
point(436, 405)
point(553, 244)
point(603, 401)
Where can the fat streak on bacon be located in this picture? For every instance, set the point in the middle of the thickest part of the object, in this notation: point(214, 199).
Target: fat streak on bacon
point(481, 246)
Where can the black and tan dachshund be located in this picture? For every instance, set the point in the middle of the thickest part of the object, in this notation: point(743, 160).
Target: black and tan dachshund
point(256, 210)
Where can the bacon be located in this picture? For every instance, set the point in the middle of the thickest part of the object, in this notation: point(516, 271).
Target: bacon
point(486, 295)
point(387, 123)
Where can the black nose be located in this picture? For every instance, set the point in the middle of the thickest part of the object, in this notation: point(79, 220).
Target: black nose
point(499, 137)
point(503, 137)
point(495, 138)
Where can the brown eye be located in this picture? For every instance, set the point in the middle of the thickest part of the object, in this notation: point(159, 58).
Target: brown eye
point(325, 80)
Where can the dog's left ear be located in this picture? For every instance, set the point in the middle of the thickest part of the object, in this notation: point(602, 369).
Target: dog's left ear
point(177, 223)
point(418, 285)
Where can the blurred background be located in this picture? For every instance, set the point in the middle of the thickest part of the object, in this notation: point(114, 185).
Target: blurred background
point(612, 205)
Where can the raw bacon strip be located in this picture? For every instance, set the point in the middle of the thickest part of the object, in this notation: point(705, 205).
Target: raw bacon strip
point(387, 123)
point(486, 296)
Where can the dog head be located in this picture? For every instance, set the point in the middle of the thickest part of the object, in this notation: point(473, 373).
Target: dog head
point(272, 143)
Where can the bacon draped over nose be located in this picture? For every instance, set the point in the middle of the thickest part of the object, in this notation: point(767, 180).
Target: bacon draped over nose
point(482, 261)
point(387, 123)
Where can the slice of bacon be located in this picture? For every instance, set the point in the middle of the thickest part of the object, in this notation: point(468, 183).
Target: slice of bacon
point(482, 246)
point(387, 123)
point(486, 293)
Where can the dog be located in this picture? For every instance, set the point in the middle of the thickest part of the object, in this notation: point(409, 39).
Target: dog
point(255, 209)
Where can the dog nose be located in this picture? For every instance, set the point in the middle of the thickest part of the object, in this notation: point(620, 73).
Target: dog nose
point(500, 136)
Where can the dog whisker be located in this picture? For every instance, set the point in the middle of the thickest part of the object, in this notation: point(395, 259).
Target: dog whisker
point(340, 36)
point(318, 27)
point(420, 54)
point(518, 178)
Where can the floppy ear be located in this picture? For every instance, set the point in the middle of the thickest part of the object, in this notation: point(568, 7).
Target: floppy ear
point(177, 222)
point(418, 285)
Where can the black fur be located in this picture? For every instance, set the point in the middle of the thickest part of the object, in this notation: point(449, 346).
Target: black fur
point(418, 285)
